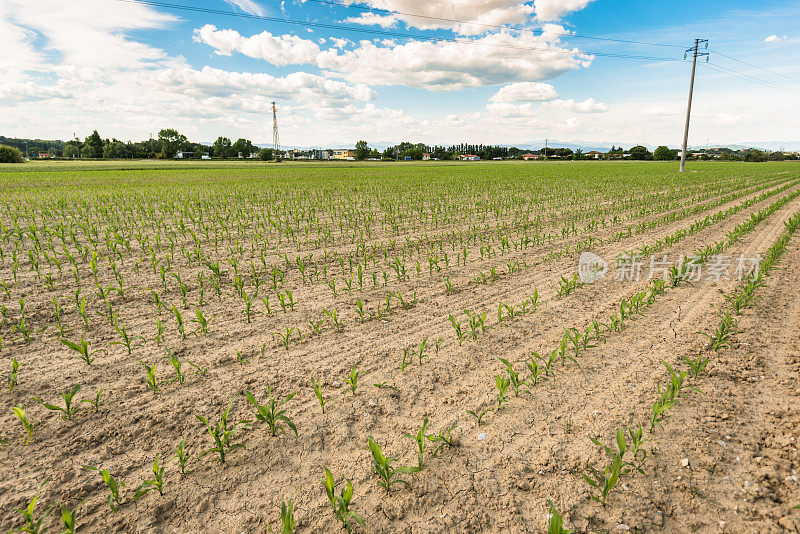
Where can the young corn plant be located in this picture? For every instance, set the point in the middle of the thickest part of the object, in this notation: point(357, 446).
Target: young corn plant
point(555, 523)
point(19, 412)
point(501, 383)
point(513, 376)
point(287, 518)
point(69, 410)
point(444, 438)
point(285, 337)
point(352, 380)
point(480, 415)
point(114, 487)
point(316, 384)
point(457, 328)
point(183, 457)
point(202, 322)
point(697, 366)
point(95, 403)
point(721, 337)
point(604, 482)
point(69, 518)
point(149, 485)
point(334, 317)
point(150, 376)
point(387, 472)
point(419, 438)
point(271, 413)
point(12, 378)
point(33, 525)
point(341, 504)
point(81, 348)
point(222, 433)
point(128, 341)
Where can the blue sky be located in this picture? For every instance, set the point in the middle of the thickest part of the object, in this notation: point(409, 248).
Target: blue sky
point(519, 73)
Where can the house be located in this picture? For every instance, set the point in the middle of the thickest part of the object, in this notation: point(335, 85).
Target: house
point(180, 154)
point(45, 155)
point(344, 154)
point(205, 156)
point(593, 154)
point(320, 154)
point(468, 157)
point(426, 156)
point(526, 157)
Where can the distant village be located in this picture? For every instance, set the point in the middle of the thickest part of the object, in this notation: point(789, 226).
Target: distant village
point(170, 144)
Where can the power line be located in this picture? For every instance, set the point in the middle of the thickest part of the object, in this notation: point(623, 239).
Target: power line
point(494, 26)
point(388, 33)
point(755, 66)
point(748, 78)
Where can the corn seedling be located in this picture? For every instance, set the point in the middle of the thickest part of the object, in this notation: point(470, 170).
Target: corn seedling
point(175, 362)
point(334, 317)
point(95, 403)
point(406, 360)
point(200, 370)
point(183, 457)
point(479, 416)
point(513, 376)
point(352, 380)
point(150, 376)
point(222, 433)
point(721, 336)
point(697, 366)
point(271, 413)
point(179, 320)
point(341, 504)
point(114, 498)
point(69, 410)
point(287, 518)
point(19, 412)
point(69, 518)
point(419, 438)
point(501, 383)
point(149, 485)
point(201, 321)
point(82, 349)
point(386, 471)
point(567, 286)
point(285, 337)
point(315, 383)
point(605, 481)
point(128, 341)
point(386, 385)
point(457, 328)
point(555, 523)
point(12, 378)
point(444, 438)
point(33, 525)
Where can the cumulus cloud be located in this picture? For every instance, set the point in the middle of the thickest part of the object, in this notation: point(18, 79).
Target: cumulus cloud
point(586, 106)
point(475, 15)
point(525, 92)
point(556, 9)
point(371, 19)
point(278, 50)
point(248, 6)
point(492, 59)
point(774, 39)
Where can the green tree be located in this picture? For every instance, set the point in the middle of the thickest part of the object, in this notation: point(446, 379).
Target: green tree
point(9, 154)
point(362, 150)
point(265, 154)
point(640, 152)
point(70, 150)
point(242, 148)
point(88, 151)
point(171, 142)
point(663, 153)
point(222, 147)
point(96, 143)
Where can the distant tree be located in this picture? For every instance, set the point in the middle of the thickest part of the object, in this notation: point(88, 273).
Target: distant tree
point(265, 154)
point(242, 147)
point(88, 151)
point(171, 142)
point(578, 154)
point(663, 153)
point(640, 152)
point(362, 150)
point(389, 153)
point(753, 154)
point(70, 150)
point(96, 143)
point(222, 147)
point(9, 154)
point(374, 154)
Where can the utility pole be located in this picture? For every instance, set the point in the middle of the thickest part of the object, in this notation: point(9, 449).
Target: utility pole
point(695, 53)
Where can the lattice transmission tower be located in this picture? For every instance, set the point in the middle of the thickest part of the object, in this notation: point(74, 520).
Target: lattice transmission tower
point(275, 140)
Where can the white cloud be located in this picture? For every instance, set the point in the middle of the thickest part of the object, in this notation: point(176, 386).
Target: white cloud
point(278, 50)
point(556, 9)
point(248, 6)
point(504, 109)
point(371, 19)
point(773, 39)
point(586, 106)
point(525, 92)
point(492, 59)
point(476, 15)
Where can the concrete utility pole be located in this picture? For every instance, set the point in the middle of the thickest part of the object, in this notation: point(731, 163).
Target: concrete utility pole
point(695, 53)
